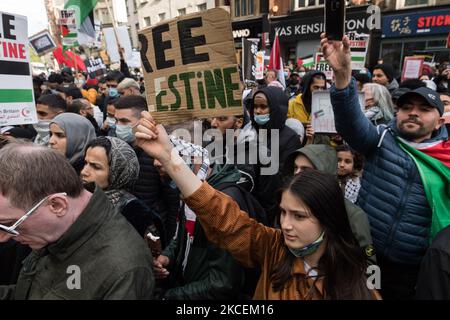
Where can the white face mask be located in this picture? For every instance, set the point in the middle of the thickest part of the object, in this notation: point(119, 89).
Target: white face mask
point(42, 128)
point(301, 74)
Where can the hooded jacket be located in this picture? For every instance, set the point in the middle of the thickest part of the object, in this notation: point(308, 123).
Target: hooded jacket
point(289, 141)
point(392, 193)
point(300, 107)
point(324, 158)
point(210, 272)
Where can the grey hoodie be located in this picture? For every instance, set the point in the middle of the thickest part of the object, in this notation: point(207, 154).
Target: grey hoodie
point(324, 159)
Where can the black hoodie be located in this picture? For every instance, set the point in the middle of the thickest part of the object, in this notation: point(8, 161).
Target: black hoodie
point(306, 91)
point(266, 186)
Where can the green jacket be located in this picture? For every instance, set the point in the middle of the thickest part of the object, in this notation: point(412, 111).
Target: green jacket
point(324, 158)
point(211, 273)
point(112, 261)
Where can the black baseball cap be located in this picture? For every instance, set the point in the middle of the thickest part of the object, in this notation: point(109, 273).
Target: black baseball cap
point(431, 96)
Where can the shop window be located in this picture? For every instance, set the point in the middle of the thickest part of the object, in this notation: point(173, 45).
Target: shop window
point(437, 44)
point(244, 8)
point(307, 4)
point(414, 3)
point(201, 7)
point(391, 53)
point(414, 48)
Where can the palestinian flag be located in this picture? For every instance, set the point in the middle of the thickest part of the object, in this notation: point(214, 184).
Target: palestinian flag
point(85, 21)
point(307, 62)
point(433, 163)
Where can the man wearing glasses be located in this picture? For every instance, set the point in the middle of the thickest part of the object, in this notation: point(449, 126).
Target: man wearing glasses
point(82, 249)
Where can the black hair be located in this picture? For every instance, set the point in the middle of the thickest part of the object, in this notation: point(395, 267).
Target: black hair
point(100, 142)
point(53, 101)
point(358, 159)
point(55, 78)
point(137, 103)
point(343, 264)
point(72, 91)
point(115, 76)
point(412, 84)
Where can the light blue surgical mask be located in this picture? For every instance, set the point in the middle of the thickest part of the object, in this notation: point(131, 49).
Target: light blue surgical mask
point(125, 133)
point(113, 93)
point(111, 122)
point(262, 119)
point(309, 249)
point(286, 74)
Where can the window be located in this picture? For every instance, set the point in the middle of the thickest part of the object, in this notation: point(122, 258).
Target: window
point(306, 4)
point(201, 7)
point(135, 6)
point(162, 16)
point(147, 21)
point(244, 8)
point(137, 26)
point(182, 12)
point(414, 3)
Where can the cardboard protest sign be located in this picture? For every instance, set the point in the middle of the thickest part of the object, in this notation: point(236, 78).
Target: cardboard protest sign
point(190, 68)
point(42, 42)
point(359, 44)
point(412, 68)
point(322, 115)
point(68, 18)
point(95, 67)
point(16, 86)
point(323, 66)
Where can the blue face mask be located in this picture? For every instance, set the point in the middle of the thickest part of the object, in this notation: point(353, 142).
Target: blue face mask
point(285, 74)
point(309, 249)
point(262, 119)
point(125, 133)
point(113, 93)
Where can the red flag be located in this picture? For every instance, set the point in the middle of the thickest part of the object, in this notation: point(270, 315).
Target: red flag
point(448, 40)
point(69, 59)
point(274, 63)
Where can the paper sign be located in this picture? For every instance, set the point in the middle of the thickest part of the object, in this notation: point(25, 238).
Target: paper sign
point(111, 43)
point(42, 42)
point(16, 86)
point(322, 115)
point(190, 68)
point(323, 66)
point(95, 67)
point(359, 44)
point(412, 68)
point(68, 18)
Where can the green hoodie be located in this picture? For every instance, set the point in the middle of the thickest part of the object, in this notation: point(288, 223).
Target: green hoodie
point(324, 159)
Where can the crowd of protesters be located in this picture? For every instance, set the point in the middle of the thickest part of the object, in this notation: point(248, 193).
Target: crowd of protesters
point(99, 185)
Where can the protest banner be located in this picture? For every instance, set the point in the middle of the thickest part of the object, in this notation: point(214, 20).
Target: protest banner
point(16, 86)
point(42, 42)
point(259, 65)
point(323, 66)
point(112, 35)
point(249, 58)
point(190, 68)
point(95, 67)
point(68, 18)
point(359, 44)
point(412, 68)
point(322, 115)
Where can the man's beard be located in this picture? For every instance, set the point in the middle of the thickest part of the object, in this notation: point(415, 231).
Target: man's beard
point(412, 135)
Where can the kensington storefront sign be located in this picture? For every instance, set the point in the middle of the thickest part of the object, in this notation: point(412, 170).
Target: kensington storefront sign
point(311, 28)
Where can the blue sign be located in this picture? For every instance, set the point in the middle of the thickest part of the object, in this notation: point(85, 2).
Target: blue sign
point(416, 24)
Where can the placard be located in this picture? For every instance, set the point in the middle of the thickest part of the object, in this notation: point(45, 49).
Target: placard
point(190, 68)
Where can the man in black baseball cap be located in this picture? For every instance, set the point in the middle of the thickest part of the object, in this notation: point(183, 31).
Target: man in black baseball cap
point(419, 114)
